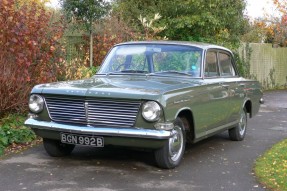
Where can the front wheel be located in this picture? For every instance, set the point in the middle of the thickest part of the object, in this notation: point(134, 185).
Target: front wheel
point(57, 149)
point(238, 133)
point(171, 154)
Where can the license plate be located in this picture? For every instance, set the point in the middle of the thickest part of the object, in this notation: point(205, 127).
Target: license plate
point(82, 140)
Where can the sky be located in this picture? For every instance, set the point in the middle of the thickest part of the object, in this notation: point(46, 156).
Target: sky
point(257, 8)
point(254, 9)
point(53, 3)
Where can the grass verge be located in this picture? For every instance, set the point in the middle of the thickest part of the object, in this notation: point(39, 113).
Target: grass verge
point(14, 136)
point(271, 168)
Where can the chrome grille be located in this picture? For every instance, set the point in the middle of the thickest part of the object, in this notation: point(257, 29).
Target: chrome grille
point(94, 112)
point(68, 110)
point(112, 113)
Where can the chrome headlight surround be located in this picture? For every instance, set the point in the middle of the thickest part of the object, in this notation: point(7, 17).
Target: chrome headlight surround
point(36, 103)
point(151, 111)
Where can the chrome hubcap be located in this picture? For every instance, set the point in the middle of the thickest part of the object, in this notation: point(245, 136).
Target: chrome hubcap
point(176, 144)
point(242, 123)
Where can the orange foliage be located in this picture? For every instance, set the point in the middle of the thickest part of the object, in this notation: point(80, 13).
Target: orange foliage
point(29, 48)
point(102, 44)
point(40, 3)
point(277, 27)
point(281, 6)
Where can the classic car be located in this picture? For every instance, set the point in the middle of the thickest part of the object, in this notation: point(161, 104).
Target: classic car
point(155, 95)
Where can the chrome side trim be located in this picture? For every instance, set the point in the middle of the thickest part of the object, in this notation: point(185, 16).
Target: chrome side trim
point(114, 132)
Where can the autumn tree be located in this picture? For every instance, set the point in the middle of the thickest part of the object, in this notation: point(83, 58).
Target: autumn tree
point(256, 31)
point(278, 25)
point(85, 13)
point(272, 28)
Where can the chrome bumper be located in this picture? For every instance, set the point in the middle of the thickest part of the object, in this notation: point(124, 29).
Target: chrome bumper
point(100, 131)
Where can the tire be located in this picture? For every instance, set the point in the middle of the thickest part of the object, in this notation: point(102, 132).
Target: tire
point(171, 154)
point(238, 133)
point(57, 149)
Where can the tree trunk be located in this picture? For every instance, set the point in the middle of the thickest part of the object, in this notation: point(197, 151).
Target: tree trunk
point(91, 48)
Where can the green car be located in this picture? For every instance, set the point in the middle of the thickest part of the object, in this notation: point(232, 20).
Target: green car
point(152, 95)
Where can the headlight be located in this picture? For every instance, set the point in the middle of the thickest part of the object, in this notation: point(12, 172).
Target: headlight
point(36, 103)
point(151, 111)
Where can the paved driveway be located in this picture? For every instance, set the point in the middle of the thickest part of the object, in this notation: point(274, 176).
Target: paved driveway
point(213, 164)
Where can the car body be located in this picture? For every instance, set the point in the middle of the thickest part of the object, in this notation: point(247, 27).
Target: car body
point(154, 95)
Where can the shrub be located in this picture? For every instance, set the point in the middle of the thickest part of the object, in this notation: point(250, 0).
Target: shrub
point(76, 69)
point(13, 89)
point(102, 44)
point(29, 51)
point(12, 131)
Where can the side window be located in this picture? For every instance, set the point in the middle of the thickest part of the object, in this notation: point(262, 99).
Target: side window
point(211, 69)
point(225, 64)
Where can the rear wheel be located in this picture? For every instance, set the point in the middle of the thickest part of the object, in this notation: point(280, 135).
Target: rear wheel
point(57, 149)
point(171, 154)
point(238, 133)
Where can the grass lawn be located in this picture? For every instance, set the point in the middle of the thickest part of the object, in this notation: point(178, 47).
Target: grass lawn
point(271, 168)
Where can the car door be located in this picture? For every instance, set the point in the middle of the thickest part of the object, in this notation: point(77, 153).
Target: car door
point(231, 82)
point(213, 112)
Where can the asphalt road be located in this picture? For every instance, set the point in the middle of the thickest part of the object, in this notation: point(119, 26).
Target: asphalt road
point(213, 164)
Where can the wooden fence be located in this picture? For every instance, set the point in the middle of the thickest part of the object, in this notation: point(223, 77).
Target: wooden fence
point(267, 64)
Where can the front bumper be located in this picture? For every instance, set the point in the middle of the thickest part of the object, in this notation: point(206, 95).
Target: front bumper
point(137, 137)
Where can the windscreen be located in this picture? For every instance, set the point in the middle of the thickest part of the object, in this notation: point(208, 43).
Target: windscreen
point(155, 59)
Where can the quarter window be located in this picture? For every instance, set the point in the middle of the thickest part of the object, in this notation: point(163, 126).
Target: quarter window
point(211, 69)
point(225, 64)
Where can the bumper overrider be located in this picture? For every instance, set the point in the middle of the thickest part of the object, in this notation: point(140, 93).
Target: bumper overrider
point(133, 137)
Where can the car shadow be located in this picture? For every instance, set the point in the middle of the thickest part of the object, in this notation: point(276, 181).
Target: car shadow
point(138, 158)
point(114, 156)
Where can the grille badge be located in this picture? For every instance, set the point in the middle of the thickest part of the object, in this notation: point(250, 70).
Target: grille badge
point(87, 110)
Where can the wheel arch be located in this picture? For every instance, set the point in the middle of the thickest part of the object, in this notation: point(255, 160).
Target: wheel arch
point(188, 115)
point(248, 106)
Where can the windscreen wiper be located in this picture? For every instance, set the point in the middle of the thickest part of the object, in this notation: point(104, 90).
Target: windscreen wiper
point(173, 72)
point(125, 72)
point(133, 71)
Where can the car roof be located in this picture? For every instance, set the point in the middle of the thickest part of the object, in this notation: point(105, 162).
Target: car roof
point(201, 45)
